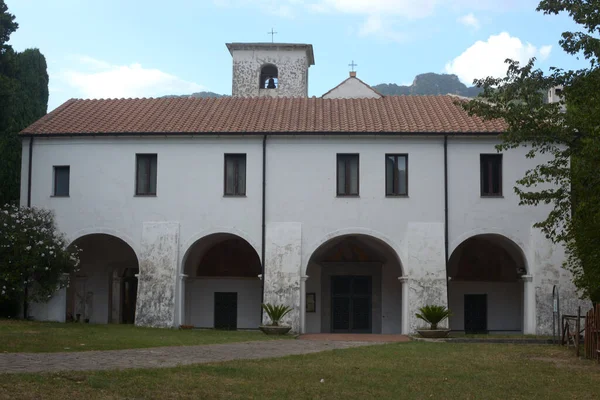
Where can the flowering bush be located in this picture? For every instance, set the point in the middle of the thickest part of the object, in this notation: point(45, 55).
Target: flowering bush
point(34, 256)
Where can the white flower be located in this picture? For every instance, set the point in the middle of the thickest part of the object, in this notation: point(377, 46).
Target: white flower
point(46, 268)
point(51, 252)
point(28, 248)
point(43, 254)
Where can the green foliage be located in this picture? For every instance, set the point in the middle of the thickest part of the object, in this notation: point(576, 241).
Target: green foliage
point(34, 258)
point(566, 135)
point(276, 312)
point(23, 100)
point(433, 315)
point(7, 24)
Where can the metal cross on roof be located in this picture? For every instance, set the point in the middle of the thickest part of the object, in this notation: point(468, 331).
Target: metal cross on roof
point(352, 65)
point(272, 33)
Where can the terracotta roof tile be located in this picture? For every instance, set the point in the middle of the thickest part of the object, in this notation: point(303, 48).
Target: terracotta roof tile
point(390, 114)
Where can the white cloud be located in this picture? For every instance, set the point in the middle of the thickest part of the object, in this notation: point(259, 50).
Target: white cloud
point(381, 16)
point(469, 21)
point(545, 52)
point(374, 25)
point(403, 8)
point(487, 58)
point(99, 79)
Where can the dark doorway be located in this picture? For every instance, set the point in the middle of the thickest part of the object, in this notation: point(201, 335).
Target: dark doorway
point(351, 304)
point(476, 313)
point(225, 310)
point(129, 294)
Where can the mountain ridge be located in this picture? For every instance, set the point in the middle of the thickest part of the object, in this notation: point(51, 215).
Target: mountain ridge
point(424, 84)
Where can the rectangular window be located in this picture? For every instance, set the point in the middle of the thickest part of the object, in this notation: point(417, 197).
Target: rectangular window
point(235, 174)
point(347, 174)
point(61, 180)
point(491, 174)
point(145, 177)
point(396, 175)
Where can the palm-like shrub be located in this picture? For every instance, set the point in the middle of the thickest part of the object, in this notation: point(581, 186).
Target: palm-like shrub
point(433, 315)
point(276, 313)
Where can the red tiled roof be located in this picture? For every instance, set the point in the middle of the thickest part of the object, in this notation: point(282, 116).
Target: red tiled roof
point(391, 114)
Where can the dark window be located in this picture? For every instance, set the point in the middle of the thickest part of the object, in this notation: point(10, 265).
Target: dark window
point(61, 181)
point(235, 174)
point(145, 179)
point(491, 174)
point(396, 175)
point(347, 174)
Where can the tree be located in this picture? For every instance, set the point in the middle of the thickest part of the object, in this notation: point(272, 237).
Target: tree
point(34, 258)
point(565, 134)
point(23, 100)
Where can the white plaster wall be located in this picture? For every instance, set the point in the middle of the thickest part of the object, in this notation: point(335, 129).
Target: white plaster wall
point(352, 88)
point(200, 301)
point(53, 310)
point(504, 302)
point(302, 208)
point(470, 214)
point(313, 285)
point(282, 267)
point(159, 256)
point(292, 67)
point(391, 300)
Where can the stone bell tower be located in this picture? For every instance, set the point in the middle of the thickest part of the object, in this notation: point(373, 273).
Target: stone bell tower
point(270, 69)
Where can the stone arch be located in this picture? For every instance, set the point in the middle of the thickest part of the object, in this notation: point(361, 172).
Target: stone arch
point(220, 285)
point(368, 265)
point(487, 277)
point(98, 288)
point(354, 232)
point(219, 230)
point(107, 231)
point(518, 244)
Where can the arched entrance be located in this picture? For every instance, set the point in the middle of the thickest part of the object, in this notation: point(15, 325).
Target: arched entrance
point(353, 286)
point(104, 289)
point(485, 285)
point(222, 288)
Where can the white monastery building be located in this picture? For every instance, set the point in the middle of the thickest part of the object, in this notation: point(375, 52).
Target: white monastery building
point(355, 209)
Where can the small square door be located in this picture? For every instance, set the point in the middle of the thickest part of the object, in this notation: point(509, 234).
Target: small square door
point(225, 310)
point(476, 313)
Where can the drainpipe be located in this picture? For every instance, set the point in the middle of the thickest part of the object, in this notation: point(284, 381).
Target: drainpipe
point(446, 255)
point(30, 161)
point(262, 250)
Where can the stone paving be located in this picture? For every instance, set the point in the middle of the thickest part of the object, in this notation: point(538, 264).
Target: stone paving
point(161, 357)
point(356, 337)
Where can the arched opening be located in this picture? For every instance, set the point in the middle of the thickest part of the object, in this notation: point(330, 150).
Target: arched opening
point(104, 290)
point(485, 288)
point(222, 288)
point(269, 77)
point(353, 287)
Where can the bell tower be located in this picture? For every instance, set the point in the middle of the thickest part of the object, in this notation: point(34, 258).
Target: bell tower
point(270, 69)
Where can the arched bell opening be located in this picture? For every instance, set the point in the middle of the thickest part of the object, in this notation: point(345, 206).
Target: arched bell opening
point(269, 77)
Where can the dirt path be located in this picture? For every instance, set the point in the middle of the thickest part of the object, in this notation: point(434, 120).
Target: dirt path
point(160, 357)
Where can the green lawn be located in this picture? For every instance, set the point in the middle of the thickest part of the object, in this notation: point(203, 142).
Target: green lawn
point(415, 370)
point(24, 336)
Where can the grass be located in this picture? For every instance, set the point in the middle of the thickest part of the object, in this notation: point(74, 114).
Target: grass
point(26, 336)
point(415, 370)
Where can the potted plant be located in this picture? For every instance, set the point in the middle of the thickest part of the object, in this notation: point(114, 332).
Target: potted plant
point(433, 315)
point(275, 314)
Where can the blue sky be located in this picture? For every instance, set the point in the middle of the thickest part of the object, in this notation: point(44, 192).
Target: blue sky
point(134, 48)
